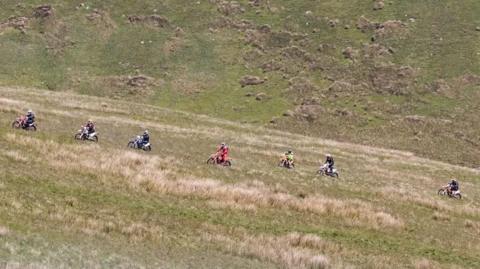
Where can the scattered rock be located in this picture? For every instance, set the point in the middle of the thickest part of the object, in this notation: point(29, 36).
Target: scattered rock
point(440, 86)
point(274, 120)
point(265, 29)
point(43, 11)
point(152, 20)
point(260, 96)
point(390, 28)
point(288, 113)
point(477, 28)
point(138, 81)
point(340, 87)
point(365, 24)
point(251, 80)
point(350, 53)
point(378, 4)
point(19, 23)
point(249, 94)
point(415, 119)
point(343, 112)
point(346, 27)
point(229, 8)
point(333, 23)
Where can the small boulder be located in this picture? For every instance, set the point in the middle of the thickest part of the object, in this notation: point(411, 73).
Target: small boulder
point(251, 80)
point(378, 5)
point(43, 11)
point(350, 53)
point(288, 113)
point(260, 96)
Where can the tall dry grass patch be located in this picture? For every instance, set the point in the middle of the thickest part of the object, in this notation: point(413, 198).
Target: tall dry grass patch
point(4, 231)
point(425, 263)
point(15, 155)
point(137, 168)
point(277, 250)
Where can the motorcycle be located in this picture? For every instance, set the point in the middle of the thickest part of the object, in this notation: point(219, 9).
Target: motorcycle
point(445, 190)
point(286, 163)
point(21, 122)
point(83, 134)
point(136, 143)
point(215, 159)
point(324, 171)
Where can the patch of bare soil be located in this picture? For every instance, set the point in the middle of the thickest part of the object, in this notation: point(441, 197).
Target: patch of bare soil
point(154, 20)
point(101, 19)
point(392, 79)
point(138, 85)
point(228, 8)
point(43, 11)
point(18, 23)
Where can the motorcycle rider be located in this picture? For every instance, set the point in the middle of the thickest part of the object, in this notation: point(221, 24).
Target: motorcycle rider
point(90, 127)
point(29, 118)
point(453, 186)
point(289, 157)
point(329, 162)
point(222, 152)
point(145, 139)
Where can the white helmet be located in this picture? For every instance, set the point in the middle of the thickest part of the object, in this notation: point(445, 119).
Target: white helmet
point(328, 155)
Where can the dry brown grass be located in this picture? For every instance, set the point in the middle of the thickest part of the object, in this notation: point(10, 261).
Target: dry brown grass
point(4, 231)
point(137, 168)
point(286, 251)
point(425, 264)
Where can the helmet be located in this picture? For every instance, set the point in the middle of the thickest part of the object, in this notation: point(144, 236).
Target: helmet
point(223, 144)
point(289, 152)
point(89, 121)
point(29, 111)
point(328, 155)
point(146, 132)
point(454, 180)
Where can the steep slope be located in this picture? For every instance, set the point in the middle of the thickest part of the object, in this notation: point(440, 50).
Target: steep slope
point(71, 204)
point(400, 74)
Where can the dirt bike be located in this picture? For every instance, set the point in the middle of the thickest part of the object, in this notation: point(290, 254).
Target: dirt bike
point(324, 171)
point(21, 122)
point(215, 159)
point(136, 143)
point(286, 163)
point(83, 134)
point(445, 190)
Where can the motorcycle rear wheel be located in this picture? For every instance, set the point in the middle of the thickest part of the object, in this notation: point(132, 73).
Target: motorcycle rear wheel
point(78, 136)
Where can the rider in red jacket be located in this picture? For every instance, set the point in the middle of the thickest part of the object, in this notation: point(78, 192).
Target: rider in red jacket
point(222, 152)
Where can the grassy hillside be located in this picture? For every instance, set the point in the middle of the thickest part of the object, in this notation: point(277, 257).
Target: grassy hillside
point(72, 204)
point(405, 76)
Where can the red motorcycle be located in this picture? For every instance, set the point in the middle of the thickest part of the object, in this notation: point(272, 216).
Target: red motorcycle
point(21, 122)
point(215, 159)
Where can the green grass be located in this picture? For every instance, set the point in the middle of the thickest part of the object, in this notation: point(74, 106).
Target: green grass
point(72, 204)
point(199, 69)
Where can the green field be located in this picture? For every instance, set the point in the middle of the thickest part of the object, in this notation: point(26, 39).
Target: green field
point(423, 63)
point(72, 204)
point(392, 93)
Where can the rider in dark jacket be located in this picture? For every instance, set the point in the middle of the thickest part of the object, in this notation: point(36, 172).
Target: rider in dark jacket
point(329, 162)
point(90, 127)
point(145, 138)
point(453, 185)
point(30, 118)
